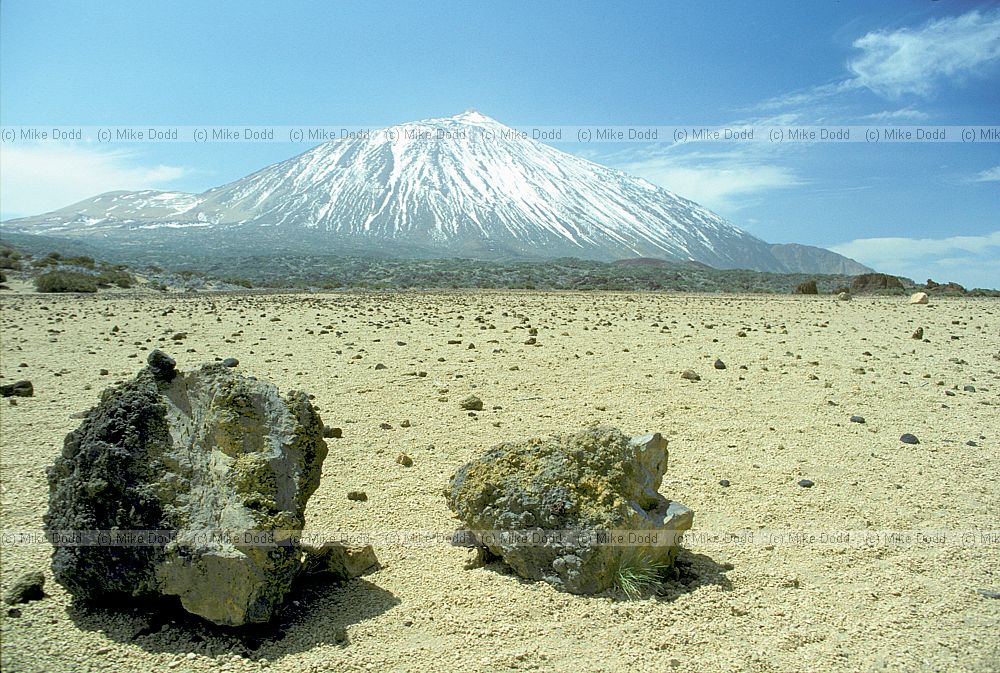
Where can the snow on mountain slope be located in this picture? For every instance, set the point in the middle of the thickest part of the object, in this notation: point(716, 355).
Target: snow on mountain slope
point(463, 185)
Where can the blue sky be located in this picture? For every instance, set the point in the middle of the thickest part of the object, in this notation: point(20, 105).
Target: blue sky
point(917, 210)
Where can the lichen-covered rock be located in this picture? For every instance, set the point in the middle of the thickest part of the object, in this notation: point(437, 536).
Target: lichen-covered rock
point(578, 508)
point(220, 462)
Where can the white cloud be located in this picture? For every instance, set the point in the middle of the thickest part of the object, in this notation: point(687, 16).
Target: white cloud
point(38, 178)
point(720, 182)
point(973, 261)
point(897, 115)
point(905, 61)
point(989, 175)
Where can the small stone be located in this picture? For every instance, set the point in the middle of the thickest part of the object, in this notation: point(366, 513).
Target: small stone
point(380, 366)
point(918, 298)
point(472, 403)
point(857, 419)
point(806, 483)
point(18, 389)
point(385, 426)
point(28, 587)
point(230, 362)
point(104, 372)
point(969, 389)
point(357, 496)
point(907, 438)
point(690, 375)
point(335, 433)
point(719, 364)
point(988, 593)
point(405, 424)
point(14, 612)
point(918, 333)
point(404, 460)
point(971, 443)
point(724, 483)
point(180, 336)
point(844, 296)
point(530, 341)
point(472, 346)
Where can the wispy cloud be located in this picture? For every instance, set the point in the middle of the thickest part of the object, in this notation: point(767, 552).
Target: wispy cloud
point(905, 61)
point(907, 113)
point(40, 178)
point(989, 175)
point(721, 181)
point(973, 261)
point(894, 63)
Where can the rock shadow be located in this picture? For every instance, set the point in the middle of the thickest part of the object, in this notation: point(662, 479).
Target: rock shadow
point(316, 612)
point(690, 572)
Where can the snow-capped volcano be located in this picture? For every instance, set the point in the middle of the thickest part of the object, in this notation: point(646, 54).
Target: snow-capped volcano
point(461, 186)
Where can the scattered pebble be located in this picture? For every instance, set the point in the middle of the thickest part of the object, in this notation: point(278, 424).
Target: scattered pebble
point(918, 333)
point(857, 419)
point(357, 496)
point(724, 483)
point(806, 483)
point(690, 375)
point(404, 460)
point(335, 433)
point(907, 438)
point(230, 362)
point(719, 364)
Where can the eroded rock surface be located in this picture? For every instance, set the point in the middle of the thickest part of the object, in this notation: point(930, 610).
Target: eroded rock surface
point(219, 461)
point(597, 483)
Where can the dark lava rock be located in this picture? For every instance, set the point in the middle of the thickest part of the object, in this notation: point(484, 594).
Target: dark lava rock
point(357, 496)
point(971, 443)
point(185, 453)
point(806, 483)
point(857, 419)
point(380, 366)
point(335, 433)
point(404, 460)
point(724, 483)
point(230, 362)
point(719, 364)
point(918, 333)
point(807, 287)
point(17, 389)
point(869, 282)
point(27, 587)
point(162, 366)
point(13, 613)
point(988, 593)
point(594, 481)
point(690, 375)
point(907, 438)
point(969, 389)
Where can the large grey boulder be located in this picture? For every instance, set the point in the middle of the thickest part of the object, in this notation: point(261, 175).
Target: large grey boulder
point(579, 511)
point(219, 462)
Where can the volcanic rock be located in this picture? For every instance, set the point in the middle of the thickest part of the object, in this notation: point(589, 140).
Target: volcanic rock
point(220, 463)
point(563, 499)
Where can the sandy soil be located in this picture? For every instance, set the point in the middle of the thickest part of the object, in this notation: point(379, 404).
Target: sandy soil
point(810, 363)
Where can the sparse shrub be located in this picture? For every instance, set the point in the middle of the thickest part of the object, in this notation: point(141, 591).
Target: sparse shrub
point(115, 276)
point(65, 281)
point(242, 282)
point(7, 262)
point(807, 287)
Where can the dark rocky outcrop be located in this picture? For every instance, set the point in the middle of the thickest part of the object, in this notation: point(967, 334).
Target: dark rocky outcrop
point(564, 501)
point(219, 462)
point(873, 282)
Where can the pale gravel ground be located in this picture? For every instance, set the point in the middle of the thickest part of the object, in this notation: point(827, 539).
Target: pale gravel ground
point(787, 608)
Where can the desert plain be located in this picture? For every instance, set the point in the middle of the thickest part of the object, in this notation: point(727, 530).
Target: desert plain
point(765, 582)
